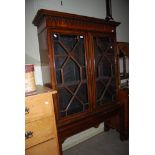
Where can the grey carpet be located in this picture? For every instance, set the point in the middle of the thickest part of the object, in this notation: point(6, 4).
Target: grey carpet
point(106, 143)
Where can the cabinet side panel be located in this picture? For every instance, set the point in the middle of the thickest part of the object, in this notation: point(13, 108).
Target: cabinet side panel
point(44, 57)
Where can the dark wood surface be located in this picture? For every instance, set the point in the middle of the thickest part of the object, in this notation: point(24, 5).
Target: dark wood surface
point(123, 95)
point(61, 20)
point(91, 120)
point(123, 92)
point(124, 99)
point(123, 52)
point(64, 25)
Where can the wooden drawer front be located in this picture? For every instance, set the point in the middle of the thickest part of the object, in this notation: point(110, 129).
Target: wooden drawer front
point(42, 130)
point(39, 106)
point(47, 148)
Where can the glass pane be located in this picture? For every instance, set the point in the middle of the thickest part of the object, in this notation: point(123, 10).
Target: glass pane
point(59, 60)
point(71, 73)
point(58, 76)
point(99, 88)
point(73, 87)
point(58, 49)
point(82, 93)
point(104, 69)
point(69, 41)
point(75, 107)
point(78, 52)
point(84, 73)
point(64, 98)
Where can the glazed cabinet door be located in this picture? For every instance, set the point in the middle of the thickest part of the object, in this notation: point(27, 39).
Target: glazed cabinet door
point(104, 75)
point(70, 61)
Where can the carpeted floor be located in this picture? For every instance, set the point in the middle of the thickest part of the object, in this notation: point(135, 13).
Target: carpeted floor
point(106, 143)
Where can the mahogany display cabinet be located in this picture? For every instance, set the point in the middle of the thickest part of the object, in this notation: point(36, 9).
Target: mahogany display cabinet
point(79, 60)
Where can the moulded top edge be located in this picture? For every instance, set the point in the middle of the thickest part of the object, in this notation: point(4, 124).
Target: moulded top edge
point(43, 13)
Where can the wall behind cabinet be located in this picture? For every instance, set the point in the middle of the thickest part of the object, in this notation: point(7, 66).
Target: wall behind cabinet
point(92, 8)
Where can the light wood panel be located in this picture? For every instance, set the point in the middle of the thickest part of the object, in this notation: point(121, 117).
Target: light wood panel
point(40, 125)
point(40, 106)
point(47, 148)
point(42, 129)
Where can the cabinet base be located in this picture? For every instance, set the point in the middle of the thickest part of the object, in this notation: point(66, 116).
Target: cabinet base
point(91, 120)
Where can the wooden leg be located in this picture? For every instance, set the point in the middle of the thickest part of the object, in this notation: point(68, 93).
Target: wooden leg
point(60, 145)
point(126, 135)
point(106, 126)
point(121, 118)
point(97, 125)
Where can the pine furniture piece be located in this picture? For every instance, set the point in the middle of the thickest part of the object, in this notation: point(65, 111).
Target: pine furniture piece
point(79, 60)
point(40, 125)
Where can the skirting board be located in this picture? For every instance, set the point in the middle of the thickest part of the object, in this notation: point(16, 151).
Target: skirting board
point(82, 136)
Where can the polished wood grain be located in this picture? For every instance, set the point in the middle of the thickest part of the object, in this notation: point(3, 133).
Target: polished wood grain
point(124, 99)
point(43, 129)
point(49, 147)
point(39, 107)
point(124, 47)
point(55, 19)
point(123, 94)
